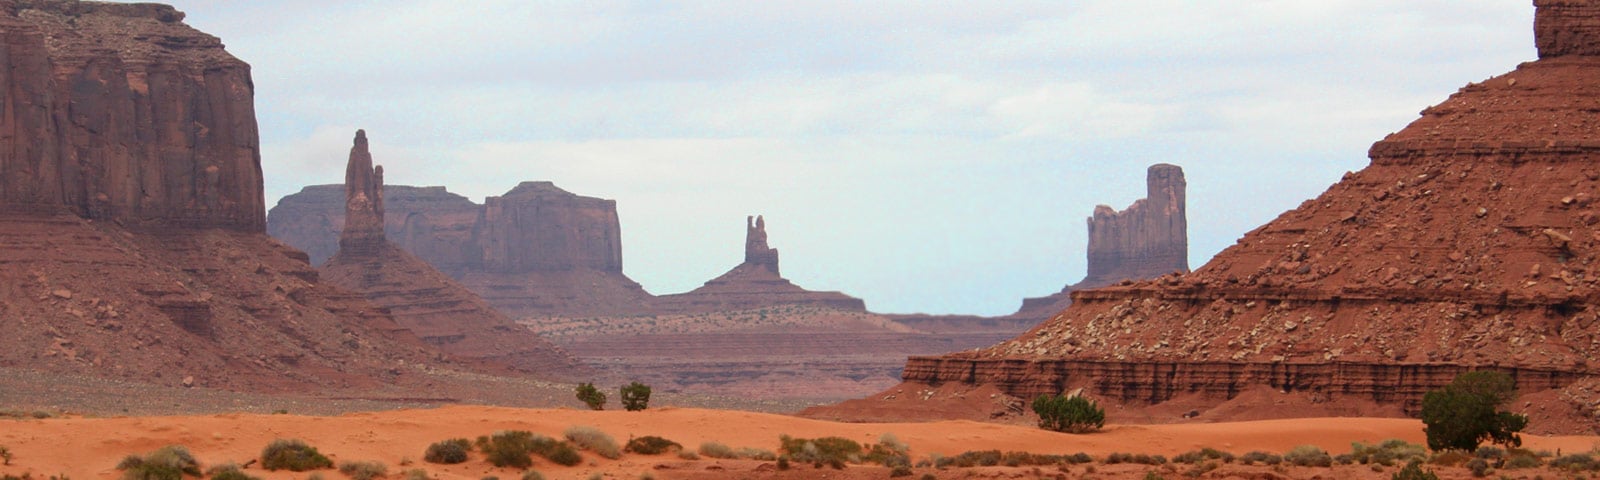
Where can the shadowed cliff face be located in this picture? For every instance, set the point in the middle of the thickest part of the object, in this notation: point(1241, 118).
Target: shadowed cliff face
point(121, 112)
point(1470, 241)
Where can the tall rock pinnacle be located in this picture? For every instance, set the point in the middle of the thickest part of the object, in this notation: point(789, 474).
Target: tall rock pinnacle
point(756, 251)
point(1147, 240)
point(363, 205)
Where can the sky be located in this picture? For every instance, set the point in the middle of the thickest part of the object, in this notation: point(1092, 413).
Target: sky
point(926, 156)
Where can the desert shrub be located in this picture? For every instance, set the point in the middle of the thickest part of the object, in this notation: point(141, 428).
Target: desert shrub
point(363, 470)
point(928, 476)
point(981, 458)
point(1575, 462)
point(228, 472)
point(1389, 453)
point(1522, 459)
point(171, 462)
point(900, 471)
point(416, 474)
point(1074, 414)
point(593, 397)
point(448, 452)
point(1478, 466)
point(1257, 456)
point(5, 455)
point(651, 445)
point(750, 453)
point(1308, 456)
point(892, 443)
point(293, 455)
point(783, 463)
point(1489, 452)
point(561, 453)
point(1152, 475)
point(1414, 471)
point(1141, 459)
point(532, 475)
point(508, 448)
point(1467, 411)
point(635, 396)
point(689, 454)
point(825, 449)
point(717, 450)
point(594, 440)
point(1202, 455)
point(1201, 468)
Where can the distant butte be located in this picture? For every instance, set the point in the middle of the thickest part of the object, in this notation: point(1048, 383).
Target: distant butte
point(428, 303)
point(753, 284)
point(1468, 243)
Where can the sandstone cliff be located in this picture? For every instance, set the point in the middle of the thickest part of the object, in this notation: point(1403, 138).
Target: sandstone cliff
point(1470, 241)
point(121, 112)
point(1148, 239)
point(424, 301)
point(753, 284)
point(131, 212)
point(537, 250)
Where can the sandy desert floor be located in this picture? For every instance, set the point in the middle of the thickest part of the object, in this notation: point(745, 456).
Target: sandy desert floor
point(89, 448)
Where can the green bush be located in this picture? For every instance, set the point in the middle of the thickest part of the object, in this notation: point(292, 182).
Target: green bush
point(593, 397)
point(1074, 414)
point(651, 445)
point(448, 452)
point(1575, 462)
point(1414, 471)
point(1308, 456)
point(1466, 412)
point(508, 448)
point(635, 396)
point(171, 462)
point(594, 440)
point(561, 453)
point(363, 470)
point(229, 472)
point(293, 455)
point(1261, 457)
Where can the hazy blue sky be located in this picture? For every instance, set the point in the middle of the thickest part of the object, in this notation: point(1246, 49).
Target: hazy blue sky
point(924, 155)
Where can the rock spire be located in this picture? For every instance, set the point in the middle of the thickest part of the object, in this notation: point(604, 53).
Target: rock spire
point(756, 251)
point(363, 201)
point(1148, 239)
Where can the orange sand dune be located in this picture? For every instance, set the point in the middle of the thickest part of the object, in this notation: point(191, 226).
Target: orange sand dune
point(84, 448)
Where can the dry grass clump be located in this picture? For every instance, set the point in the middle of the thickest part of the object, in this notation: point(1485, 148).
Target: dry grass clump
point(171, 462)
point(293, 455)
point(830, 450)
point(1140, 459)
point(1257, 456)
point(1389, 453)
point(651, 445)
point(718, 450)
point(1202, 455)
point(229, 472)
point(363, 470)
point(594, 440)
point(448, 452)
point(416, 474)
point(512, 449)
point(1308, 456)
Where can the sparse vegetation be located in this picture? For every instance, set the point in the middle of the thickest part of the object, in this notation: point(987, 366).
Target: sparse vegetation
point(363, 470)
point(651, 445)
point(1308, 456)
point(830, 450)
point(1261, 457)
point(5, 455)
point(171, 462)
point(1389, 453)
point(1466, 412)
point(1414, 471)
point(448, 452)
point(1202, 455)
point(635, 396)
point(532, 475)
point(229, 472)
point(593, 397)
point(510, 448)
point(293, 455)
point(717, 450)
point(1141, 459)
point(1478, 466)
point(1074, 414)
point(1576, 462)
point(594, 440)
point(416, 474)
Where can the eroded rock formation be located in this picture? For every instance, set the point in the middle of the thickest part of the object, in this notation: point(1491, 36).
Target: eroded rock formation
point(1470, 241)
point(131, 212)
point(753, 284)
point(538, 250)
point(419, 297)
point(1148, 239)
point(121, 112)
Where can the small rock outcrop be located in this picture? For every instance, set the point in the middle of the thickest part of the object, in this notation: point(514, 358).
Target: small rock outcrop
point(753, 284)
point(1469, 242)
point(1148, 239)
point(420, 298)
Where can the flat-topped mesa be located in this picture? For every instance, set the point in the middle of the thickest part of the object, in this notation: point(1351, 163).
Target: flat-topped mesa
point(363, 202)
point(123, 113)
point(538, 227)
point(1148, 239)
point(756, 251)
point(1566, 27)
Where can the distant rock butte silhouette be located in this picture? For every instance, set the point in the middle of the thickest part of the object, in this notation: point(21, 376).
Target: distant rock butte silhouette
point(753, 284)
point(132, 214)
point(1148, 239)
point(1469, 242)
point(420, 298)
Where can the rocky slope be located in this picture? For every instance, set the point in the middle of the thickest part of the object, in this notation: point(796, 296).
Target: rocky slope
point(1146, 240)
point(755, 283)
point(131, 213)
point(1470, 242)
point(424, 301)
